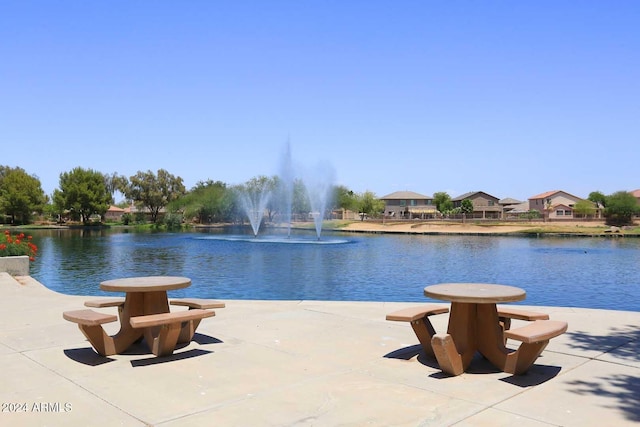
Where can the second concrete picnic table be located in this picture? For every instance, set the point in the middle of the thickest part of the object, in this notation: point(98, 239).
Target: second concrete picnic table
point(474, 325)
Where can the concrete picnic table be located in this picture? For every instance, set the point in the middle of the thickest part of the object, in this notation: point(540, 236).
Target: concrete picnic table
point(143, 296)
point(474, 325)
point(144, 312)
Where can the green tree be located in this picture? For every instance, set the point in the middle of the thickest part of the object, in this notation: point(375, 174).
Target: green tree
point(598, 197)
point(345, 198)
point(548, 208)
point(443, 202)
point(621, 207)
point(115, 182)
point(83, 193)
point(259, 192)
point(21, 195)
point(369, 205)
point(301, 205)
point(466, 206)
point(154, 192)
point(584, 208)
point(207, 202)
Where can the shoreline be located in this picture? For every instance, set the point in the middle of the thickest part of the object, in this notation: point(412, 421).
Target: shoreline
point(534, 229)
point(573, 228)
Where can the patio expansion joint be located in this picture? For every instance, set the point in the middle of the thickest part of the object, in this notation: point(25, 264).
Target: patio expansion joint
point(330, 313)
point(506, 399)
point(257, 395)
point(596, 358)
point(516, 414)
point(86, 390)
point(611, 362)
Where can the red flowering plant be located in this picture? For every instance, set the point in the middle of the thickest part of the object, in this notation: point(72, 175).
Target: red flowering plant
point(17, 245)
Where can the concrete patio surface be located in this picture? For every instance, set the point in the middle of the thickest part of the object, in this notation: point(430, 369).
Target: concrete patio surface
point(305, 363)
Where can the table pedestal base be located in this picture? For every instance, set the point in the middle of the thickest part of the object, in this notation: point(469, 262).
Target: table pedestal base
point(472, 327)
point(136, 304)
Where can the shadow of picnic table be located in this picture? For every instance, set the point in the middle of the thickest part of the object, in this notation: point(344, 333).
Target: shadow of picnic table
point(623, 343)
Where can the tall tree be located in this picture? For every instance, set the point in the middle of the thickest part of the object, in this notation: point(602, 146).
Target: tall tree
point(584, 208)
point(598, 197)
point(345, 198)
point(208, 201)
point(83, 193)
point(443, 202)
point(21, 195)
point(369, 205)
point(115, 182)
point(154, 192)
point(621, 207)
point(466, 206)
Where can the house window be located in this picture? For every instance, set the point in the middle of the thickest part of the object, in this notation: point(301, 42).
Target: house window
point(559, 212)
point(403, 202)
point(413, 202)
point(492, 203)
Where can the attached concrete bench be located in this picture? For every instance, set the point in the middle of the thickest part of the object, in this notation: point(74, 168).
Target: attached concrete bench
point(188, 331)
point(505, 314)
point(418, 316)
point(164, 340)
point(90, 324)
point(105, 302)
point(534, 338)
point(197, 303)
point(88, 317)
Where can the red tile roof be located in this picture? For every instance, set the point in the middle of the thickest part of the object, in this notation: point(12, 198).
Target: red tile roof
point(544, 195)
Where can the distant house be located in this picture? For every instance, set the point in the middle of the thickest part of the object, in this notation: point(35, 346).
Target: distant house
point(513, 207)
point(554, 204)
point(484, 205)
point(113, 214)
point(137, 210)
point(636, 194)
point(408, 205)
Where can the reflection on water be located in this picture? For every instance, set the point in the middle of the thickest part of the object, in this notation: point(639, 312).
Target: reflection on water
point(581, 272)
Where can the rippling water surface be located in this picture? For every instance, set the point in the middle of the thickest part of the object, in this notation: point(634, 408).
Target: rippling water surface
point(578, 272)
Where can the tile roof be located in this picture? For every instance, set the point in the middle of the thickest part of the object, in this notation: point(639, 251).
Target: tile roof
point(509, 201)
point(405, 195)
point(545, 195)
point(472, 193)
point(551, 193)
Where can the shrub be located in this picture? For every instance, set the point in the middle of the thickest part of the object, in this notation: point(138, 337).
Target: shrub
point(126, 218)
point(173, 221)
point(17, 245)
point(621, 207)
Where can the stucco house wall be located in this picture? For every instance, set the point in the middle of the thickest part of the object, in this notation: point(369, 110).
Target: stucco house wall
point(408, 205)
point(556, 204)
point(484, 205)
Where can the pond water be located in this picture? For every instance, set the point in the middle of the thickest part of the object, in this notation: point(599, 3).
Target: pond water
point(574, 272)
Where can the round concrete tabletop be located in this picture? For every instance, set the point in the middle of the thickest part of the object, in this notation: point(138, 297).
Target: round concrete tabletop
point(145, 284)
point(478, 293)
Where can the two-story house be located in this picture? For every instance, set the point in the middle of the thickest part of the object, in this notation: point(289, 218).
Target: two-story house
point(484, 205)
point(554, 204)
point(408, 205)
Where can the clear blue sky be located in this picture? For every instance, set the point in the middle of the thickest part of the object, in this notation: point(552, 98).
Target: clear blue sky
point(512, 98)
